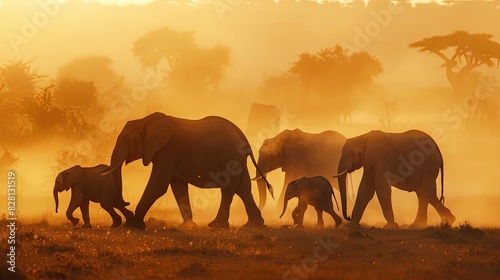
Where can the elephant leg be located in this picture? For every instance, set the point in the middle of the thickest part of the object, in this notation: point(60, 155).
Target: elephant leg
point(302, 207)
point(421, 218)
point(129, 215)
point(222, 218)
point(244, 191)
point(157, 186)
point(384, 193)
point(295, 215)
point(445, 213)
point(338, 220)
point(180, 190)
point(73, 204)
point(84, 208)
point(117, 220)
point(320, 223)
point(366, 192)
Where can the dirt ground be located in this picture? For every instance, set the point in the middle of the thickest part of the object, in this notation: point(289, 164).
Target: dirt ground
point(48, 251)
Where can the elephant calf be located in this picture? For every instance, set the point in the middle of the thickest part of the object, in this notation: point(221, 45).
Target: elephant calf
point(86, 185)
point(315, 191)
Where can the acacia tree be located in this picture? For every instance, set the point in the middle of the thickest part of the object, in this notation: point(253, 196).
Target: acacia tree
point(192, 69)
point(462, 52)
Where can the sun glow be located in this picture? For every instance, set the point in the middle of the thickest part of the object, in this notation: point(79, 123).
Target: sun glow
point(413, 3)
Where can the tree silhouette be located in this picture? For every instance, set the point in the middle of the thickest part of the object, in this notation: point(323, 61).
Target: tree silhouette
point(335, 72)
point(462, 52)
point(192, 69)
point(96, 69)
point(337, 76)
point(73, 92)
point(19, 78)
point(43, 110)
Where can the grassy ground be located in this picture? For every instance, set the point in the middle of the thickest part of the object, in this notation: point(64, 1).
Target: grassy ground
point(56, 251)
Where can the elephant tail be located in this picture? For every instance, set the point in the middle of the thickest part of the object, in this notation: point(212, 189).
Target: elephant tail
point(333, 193)
point(441, 199)
point(442, 183)
point(269, 186)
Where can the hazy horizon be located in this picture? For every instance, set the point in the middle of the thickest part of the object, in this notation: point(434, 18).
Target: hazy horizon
point(263, 40)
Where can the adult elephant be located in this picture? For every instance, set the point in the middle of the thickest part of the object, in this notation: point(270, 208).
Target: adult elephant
point(299, 154)
point(207, 153)
point(409, 161)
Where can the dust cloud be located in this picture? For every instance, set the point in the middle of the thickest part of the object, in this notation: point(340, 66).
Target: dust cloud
point(73, 73)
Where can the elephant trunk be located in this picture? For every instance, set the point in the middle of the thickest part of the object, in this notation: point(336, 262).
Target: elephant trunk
point(285, 204)
point(261, 184)
point(117, 160)
point(117, 179)
point(56, 196)
point(343, 195)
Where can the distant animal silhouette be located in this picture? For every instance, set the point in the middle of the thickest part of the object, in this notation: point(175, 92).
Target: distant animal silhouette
point(87, 185)
point(315, 191)
point(409, 161)
point(263, 122)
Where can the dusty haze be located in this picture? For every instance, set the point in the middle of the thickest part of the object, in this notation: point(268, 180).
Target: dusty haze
point(263, 39)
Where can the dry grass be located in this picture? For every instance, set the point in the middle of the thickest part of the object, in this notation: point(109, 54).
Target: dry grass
point(56, 251)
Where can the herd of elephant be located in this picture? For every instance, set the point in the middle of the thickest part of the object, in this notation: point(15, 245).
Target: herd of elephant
point(212, 153)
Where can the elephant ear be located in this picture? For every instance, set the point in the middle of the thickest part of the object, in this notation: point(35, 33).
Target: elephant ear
point(72, 177)
point(156, 134)
point(294, 149)
point(377, 146)
point(291, 154)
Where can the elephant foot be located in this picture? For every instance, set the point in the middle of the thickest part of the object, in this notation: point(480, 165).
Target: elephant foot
point(318, 226)
point(116, 224)
point(449, 220)
point(86, 226)
point(338, 222)
point(189, 224)
point(75, 221)
point(353, 224)
point(299, 226)
point(129, 223)
point(255, 224)
point(219, 224)
point(417, 225)
point(391, 225)
point(135, 223)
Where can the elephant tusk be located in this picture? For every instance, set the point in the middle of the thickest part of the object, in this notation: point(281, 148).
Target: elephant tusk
point(105, 171)
point(257, 178)
point(271, 191)
point(340, 174)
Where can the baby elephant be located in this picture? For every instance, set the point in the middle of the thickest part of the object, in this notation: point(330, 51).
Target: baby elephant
point(315, 191)
point(85, 185)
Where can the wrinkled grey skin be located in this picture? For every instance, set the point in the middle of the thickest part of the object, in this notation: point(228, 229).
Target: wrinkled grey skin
point(86, 185)
point(315, 191)
point(299, 154)
point(409, 161)
point(207, 153)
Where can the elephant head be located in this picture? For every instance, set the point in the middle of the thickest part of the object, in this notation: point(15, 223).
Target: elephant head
point(292, 190)
point(284, 150)
point(361, 151)
point(141, 138)
point(66, 180)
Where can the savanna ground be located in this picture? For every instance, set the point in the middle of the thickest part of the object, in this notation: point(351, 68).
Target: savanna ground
point(57, 251)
